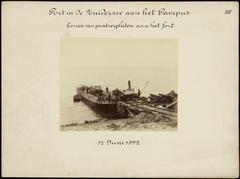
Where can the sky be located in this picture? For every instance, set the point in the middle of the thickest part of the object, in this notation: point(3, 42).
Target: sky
point(113, 52)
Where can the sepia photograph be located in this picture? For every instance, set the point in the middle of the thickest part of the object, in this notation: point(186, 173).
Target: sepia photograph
point(118, 84)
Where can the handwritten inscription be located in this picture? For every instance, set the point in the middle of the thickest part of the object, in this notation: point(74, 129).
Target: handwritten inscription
point(110, 142)
point(159, 24)
point(105, 12)
point(155, 25)
point(228, 11)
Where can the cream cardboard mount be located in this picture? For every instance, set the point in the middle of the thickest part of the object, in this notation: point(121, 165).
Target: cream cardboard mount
point(37, 65)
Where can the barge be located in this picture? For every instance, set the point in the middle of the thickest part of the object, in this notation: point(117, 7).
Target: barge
point(123, 103)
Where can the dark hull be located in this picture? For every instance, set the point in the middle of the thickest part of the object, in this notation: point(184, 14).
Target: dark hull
point(104, 109)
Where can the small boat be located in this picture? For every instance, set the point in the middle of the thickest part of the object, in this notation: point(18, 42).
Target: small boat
point(77, 98)
point(160, 98)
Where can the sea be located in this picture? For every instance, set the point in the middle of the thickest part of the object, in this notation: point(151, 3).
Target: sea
point(150, 80)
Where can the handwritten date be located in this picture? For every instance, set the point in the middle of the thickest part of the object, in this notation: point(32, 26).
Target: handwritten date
point(112, 142)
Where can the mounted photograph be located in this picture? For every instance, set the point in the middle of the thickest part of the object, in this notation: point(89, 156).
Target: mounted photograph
point(118, 84)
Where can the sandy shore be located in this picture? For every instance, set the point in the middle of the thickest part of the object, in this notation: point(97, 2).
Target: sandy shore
point(141, 122)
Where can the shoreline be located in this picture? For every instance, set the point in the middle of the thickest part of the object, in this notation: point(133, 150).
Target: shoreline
point(141, 122)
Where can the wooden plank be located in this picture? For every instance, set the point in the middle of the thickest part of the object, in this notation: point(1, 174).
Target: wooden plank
point(142, 106)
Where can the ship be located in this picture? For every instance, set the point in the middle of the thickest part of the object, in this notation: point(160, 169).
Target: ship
point(104, 100)
point(122, 103)
point(96, 98)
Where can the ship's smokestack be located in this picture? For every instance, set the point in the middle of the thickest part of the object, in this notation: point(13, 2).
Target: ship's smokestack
point(129, 85)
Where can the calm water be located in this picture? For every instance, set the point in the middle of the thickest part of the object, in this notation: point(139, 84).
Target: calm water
point(160, 81)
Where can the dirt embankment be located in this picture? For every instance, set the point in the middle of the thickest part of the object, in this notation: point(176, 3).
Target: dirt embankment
point(141, 122)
